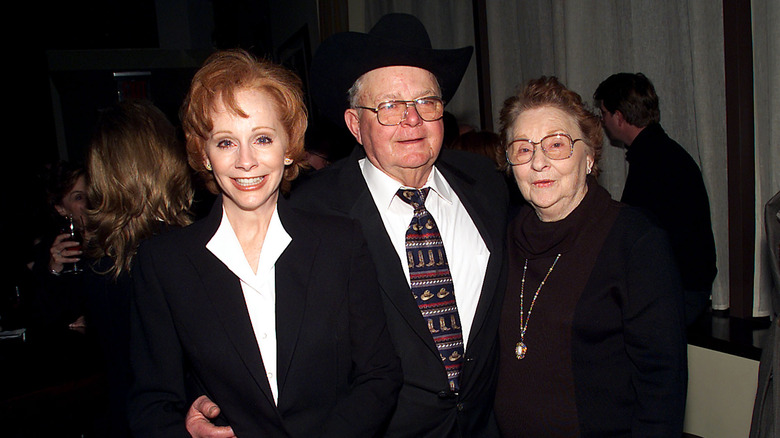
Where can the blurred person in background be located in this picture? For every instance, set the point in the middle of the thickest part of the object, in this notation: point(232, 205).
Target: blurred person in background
point(57, 298)
point(664, 180)
point(139, 186)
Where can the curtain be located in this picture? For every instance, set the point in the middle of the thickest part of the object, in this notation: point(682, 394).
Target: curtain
point(678, 45)
point(766, 89)
point(449, 25)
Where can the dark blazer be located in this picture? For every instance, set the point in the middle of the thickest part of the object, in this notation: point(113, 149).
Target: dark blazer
point(107, 312)
point(628, 336)
point(192, 335)
point(426, 406)
point(681, 206)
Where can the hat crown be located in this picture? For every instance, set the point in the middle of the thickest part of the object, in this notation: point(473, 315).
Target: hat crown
point(396, 39)
point(402, 28)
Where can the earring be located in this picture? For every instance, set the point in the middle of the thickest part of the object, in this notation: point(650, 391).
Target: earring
point(588, 170)
point(208, 166)
point(287, 161)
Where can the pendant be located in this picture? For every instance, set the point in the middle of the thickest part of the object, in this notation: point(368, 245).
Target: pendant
point(520, 350)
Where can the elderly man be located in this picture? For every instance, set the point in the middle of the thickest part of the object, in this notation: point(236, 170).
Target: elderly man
point(434, 221)
point(397, 85)
point(663, 179)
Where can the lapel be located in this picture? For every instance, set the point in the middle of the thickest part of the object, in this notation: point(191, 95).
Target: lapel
point(392, 279)
point(223, 293)
point(293, 274)
point(478, 208)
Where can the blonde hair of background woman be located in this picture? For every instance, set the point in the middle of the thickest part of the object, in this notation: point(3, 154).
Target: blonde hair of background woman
point(138, 177)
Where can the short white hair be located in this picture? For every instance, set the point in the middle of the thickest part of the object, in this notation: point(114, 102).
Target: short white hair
point(355, 92)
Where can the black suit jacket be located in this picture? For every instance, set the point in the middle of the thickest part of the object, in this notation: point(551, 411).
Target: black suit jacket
point(192, 335)
point(426, 406)
point(677, 197)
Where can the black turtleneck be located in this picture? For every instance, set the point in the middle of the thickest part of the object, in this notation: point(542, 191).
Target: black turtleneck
point(536, 395)
point(605, 340)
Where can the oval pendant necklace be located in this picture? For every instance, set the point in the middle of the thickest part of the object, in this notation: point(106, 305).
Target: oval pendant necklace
point(520, 347)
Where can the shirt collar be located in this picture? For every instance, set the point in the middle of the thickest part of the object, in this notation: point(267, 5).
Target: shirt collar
point(383, 187)
point(226, 247)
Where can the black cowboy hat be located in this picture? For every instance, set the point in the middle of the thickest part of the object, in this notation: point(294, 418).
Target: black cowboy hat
point(396, 39)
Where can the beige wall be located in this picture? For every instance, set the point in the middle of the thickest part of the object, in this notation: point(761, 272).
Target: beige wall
point(357, 16)
point(721, 392)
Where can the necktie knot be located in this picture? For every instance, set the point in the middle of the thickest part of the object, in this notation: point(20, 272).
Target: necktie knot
point(414, 197)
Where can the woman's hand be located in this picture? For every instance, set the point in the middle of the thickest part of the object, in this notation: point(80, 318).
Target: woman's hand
point(63, 251)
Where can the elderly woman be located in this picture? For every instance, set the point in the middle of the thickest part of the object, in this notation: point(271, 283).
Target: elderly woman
point(592, 332)
point(273, 314)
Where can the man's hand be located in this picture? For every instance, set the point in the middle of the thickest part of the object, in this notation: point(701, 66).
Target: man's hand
point(79, 325)
point(198, 420)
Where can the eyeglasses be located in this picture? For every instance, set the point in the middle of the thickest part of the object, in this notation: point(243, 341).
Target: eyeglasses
point(393, 112)
point(558, 146)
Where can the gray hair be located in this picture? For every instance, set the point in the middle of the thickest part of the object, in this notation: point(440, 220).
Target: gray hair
point(355, 92)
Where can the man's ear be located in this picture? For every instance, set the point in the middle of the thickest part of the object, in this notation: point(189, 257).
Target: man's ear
point(619, 119)
point(352, 119)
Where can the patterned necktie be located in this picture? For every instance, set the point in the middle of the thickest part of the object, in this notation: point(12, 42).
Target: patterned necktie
point(431, 283)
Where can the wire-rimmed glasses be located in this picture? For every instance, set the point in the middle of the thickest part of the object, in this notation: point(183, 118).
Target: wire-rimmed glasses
point(558, 146)
point(393, 112)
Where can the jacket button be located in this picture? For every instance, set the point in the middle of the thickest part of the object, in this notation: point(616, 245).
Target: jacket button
point(460, 407)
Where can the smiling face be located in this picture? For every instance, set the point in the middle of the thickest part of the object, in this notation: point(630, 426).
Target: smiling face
point(553, 187)
point(406, 152)
point(247, 154)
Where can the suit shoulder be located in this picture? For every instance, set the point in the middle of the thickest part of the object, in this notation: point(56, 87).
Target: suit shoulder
point(318, 182)
point(480, 174)
point(173, 238)
point(468, 161)
point(633, 217)
point(635, 223)
point(470, 166)
point(320, 219)
point(303, 221)
point(320, 191)
point(661, 150)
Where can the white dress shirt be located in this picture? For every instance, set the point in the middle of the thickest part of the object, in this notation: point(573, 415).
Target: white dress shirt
point(260, 288)
point(466, 251)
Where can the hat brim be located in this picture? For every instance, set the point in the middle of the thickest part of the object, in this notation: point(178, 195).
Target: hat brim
point(343, 58)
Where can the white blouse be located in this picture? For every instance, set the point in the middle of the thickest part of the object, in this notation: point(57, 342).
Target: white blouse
point(260, 288)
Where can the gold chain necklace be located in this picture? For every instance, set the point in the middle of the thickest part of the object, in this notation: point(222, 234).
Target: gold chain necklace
point(520, 347)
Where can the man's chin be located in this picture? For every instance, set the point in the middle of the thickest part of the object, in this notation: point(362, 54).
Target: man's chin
point(421, 161)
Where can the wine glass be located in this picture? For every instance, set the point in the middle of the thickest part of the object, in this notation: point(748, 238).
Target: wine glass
point(72, 228)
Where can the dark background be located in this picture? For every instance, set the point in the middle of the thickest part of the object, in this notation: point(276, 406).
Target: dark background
point(61, 59)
